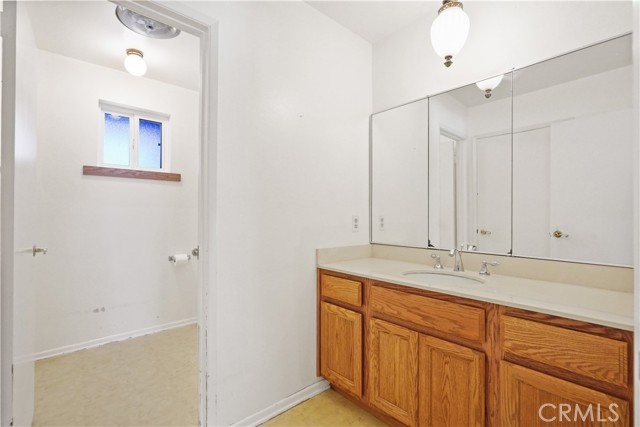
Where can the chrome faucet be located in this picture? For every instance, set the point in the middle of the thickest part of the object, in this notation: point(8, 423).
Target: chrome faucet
point(457, 259)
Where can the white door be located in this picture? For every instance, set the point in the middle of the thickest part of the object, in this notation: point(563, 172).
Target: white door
point(27, 216)
point(493, 172)
point(447, 200)
point(531, 193)
point(21, 216)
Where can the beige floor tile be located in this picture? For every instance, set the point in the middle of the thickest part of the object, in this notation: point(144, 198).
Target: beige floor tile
point(146, 381)
point(328, 409)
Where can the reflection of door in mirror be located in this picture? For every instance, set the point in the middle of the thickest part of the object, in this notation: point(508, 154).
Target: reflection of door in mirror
point(572, 183)
point(531, 200)
point(493, 196)
point(572, 145)
point(595, 184)
point(448, 193)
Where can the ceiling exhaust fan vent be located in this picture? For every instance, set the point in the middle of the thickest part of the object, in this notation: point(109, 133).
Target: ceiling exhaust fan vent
point(142, 25)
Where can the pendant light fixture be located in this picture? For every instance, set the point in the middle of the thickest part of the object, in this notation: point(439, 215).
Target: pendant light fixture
point(449, 31)
point(489, 85)
point(134, 62)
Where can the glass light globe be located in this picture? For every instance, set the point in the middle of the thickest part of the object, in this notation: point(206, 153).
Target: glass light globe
point(489, 85)
point(134, 63)
point(449, 32)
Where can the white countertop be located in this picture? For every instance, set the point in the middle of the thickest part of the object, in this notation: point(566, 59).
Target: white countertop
point(593, 305)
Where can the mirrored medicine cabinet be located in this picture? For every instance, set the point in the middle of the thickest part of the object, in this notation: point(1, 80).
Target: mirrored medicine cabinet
point(534, 163)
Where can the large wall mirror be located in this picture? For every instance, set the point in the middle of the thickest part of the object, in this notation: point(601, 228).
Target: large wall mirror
point(534, 163)
point(470, 167)
point(572, 156)
point(400, 180)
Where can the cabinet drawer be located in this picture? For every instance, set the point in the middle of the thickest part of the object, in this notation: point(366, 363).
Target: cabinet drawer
point(591, 356)
point(340, 289)
point(448, 317)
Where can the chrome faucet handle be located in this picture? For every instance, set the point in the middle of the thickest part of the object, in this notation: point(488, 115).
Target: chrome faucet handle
point(438, 265)
point(484, 271)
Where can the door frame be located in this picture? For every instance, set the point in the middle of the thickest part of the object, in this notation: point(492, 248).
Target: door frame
point(206, 29)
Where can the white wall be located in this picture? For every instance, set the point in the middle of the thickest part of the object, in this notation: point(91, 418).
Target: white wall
point(292, 161)
point(107, 274)
point(503, 35)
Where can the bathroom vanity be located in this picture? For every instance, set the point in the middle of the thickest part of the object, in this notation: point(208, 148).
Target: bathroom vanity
point(509, 351)
point(523, 175)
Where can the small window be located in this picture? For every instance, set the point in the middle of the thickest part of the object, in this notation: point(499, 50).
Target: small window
point(132, 138)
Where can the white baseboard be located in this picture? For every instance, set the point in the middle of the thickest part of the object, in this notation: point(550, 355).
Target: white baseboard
point(113, 338)
point(283, 405)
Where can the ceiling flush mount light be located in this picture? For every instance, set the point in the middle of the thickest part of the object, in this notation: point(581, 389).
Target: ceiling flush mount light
point(489, 85)
point(449, 31)
point(134, 62)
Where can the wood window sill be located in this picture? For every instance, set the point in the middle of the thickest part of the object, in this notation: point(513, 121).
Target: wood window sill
point(130, 173)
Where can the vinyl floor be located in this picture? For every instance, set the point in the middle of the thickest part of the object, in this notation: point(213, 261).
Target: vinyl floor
point(146, 381)
point(328, 409)
point(153, 381)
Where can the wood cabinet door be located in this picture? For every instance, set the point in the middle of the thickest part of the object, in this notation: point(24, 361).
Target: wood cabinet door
point(533, 399)
point(393, 370)
point(341, 347)
point(452, 385)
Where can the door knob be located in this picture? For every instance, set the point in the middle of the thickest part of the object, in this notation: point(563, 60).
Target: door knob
point(34, 250)
point(558, 234)
point(42, 251)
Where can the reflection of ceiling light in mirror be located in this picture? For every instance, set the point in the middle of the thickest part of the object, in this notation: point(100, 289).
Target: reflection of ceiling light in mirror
point(449, 31)
point(489, 85)
point(134, 62)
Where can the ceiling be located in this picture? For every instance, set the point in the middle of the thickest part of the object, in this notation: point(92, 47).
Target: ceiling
point(89, 31)
point(592, 60)
point(376, 20)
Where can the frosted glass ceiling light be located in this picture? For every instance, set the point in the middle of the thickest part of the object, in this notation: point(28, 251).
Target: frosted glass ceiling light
point(489, 85)
point(134, 63)
point(449, 31)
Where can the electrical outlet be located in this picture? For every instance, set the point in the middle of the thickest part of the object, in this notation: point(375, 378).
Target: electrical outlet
point(355, 223)
point(381, 223)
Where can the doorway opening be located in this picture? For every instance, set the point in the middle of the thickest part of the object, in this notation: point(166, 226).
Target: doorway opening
point(123, 277)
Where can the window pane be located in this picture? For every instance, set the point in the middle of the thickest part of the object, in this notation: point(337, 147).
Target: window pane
point(150, 144)
point(116, 139)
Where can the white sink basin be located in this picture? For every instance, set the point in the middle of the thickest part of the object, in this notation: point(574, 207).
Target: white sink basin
point(434, 277)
